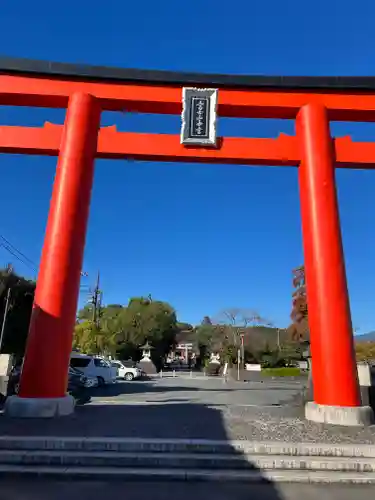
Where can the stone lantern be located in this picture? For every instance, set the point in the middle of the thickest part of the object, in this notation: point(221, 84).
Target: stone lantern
point(146, 363)
point(146, 352)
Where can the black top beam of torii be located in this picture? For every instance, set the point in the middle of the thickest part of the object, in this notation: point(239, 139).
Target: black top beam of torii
point(36, 68)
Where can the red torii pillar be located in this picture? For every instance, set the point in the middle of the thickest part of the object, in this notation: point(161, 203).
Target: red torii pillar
point(337, 396)
point(45, 370)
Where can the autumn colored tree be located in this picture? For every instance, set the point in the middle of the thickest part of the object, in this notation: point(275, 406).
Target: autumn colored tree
point(299, 329)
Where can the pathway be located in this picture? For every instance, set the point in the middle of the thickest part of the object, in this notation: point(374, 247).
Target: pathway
point(193, 409)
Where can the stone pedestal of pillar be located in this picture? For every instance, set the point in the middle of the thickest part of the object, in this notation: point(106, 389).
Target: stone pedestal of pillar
point(346, 415)
point(18, 407)
point(339, 415)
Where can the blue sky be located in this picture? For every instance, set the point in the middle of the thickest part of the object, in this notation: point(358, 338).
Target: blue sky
point(201, 237)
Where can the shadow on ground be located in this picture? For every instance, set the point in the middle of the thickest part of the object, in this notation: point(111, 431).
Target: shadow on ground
point(194, 421)
point(160, 385)
point(186, 421)
point(41, 490)
point(138, 387)
point(157, 386)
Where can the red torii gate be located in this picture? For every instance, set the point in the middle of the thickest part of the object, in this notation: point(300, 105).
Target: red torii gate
point(86, 91)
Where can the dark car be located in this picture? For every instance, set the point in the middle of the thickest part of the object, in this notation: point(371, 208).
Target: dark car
point(76, 380)
point(77, 386)
point(14, 380)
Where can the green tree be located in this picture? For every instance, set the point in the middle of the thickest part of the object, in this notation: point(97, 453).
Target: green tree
point(85, 337)
point(91, 338)
point(206, 321)
point(291, 352)
point(229, 354)
point(17, 322)
point(145, 319)
point(86, 313)
point(205, 335)
point(110, 321)
point(98, 337)
point(365, 351)
point(184, 327)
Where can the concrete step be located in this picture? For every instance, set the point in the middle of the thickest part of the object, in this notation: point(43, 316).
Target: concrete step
point(184, 461)
point(135, 474)
point(196, 446)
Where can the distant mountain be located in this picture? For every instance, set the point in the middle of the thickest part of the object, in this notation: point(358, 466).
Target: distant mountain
point(366, 337)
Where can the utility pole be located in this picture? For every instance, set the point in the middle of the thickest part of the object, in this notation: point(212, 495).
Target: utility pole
point(242, 336)
point(96, 301)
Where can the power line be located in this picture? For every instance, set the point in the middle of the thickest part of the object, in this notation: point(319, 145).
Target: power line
point(18, 251)
point(13, 250)
point(17, 257)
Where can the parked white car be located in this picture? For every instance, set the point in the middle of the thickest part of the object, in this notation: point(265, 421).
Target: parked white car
point(126, 372)
point(96, 367)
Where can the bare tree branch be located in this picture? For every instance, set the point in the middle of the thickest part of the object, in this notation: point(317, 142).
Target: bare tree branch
point(234, 322)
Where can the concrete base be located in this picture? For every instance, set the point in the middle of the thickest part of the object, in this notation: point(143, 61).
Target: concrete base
point(39, 407)
point(339, 415)
point(5, 364)
point(3, 386)
point(147, 366)
point(364, 374)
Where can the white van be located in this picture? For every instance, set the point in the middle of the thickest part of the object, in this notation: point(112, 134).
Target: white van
point(126, 372)
point(95, 367)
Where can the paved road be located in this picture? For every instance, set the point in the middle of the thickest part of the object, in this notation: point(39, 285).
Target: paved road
point(197, 408)
point(199, 390)
point(46, 490)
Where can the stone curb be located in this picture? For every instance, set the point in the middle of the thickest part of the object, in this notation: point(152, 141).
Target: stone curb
point(183, 461)
point(185, 445)
point(115, 473)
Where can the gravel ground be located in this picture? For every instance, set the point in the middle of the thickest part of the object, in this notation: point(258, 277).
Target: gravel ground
point(195, 409)
point(287, 424)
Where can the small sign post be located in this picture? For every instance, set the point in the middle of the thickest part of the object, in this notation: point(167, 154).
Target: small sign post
point(199, 117)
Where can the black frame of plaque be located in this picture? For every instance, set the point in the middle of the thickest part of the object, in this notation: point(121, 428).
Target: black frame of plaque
point(199, 117)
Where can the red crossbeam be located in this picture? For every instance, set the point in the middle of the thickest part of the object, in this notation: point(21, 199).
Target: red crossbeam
point(162, 147)
point(54, 93)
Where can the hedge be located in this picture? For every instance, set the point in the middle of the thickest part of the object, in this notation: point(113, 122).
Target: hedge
point(282, 372)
